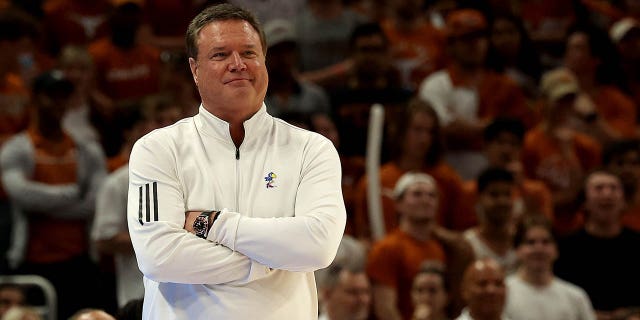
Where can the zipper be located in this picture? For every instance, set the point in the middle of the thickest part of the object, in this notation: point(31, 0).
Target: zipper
point(237, 179)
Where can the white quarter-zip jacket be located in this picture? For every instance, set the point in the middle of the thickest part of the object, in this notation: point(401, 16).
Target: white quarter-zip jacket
point(283, 218)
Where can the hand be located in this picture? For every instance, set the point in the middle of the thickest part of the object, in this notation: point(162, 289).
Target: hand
point(189, 218)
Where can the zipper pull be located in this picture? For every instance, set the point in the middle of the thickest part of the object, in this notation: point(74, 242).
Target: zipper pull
point(237, 154)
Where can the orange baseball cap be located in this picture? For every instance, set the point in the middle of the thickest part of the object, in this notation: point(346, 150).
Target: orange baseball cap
point(465, 21)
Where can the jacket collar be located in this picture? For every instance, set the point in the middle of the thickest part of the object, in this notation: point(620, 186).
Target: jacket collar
point(254, 127)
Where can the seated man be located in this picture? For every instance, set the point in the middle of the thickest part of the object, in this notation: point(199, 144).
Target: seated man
point(429, 294)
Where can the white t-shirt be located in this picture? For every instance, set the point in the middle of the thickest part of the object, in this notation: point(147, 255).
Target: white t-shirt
point(110, 219)
point(560, 300)
point(508, 261)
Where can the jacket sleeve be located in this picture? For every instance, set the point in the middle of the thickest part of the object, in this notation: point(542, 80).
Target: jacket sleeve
point(156, 215)
point(308, 241)
point(16, 161)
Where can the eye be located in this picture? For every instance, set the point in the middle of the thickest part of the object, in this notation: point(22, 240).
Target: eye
point(249, 53)
point(219, 55)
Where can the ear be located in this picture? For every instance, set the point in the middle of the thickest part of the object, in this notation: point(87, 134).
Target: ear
point(193, 65)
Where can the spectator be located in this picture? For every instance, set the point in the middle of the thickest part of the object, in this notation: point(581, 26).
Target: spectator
point(625, 35)
point(429, 294)
point(590, 55)
point(467, 95)
point(603, 246)
point(109, 230)
point(511, 52)
point(343, 287)
point(555, 153)
point(14, 97)
point(493, 237)
point(52, 181)
point(11, 295)
point(414, 142)
point(623, 159)
point(416, 46)
point(368, 77)
point(534, 292)
point(77, 64)
point(503, 145)
point(125, 69)
point(484, 291)
point(287, 93)
point(323, 28)
point(395, 260)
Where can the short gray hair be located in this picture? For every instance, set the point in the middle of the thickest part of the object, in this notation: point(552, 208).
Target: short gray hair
point(220, 12)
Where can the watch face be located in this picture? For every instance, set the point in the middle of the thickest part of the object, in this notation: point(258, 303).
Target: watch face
point(200, 226)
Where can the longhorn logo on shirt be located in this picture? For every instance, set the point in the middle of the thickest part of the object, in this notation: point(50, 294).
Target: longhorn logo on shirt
point(270, 179)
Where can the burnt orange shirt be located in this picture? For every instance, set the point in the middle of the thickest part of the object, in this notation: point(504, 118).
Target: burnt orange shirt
point(75, 22)
point(396, 259)
point(54, 239)
point(617, 109)
point(423, 44)
point(449, 191)
point(126, 74)
point(543, 160)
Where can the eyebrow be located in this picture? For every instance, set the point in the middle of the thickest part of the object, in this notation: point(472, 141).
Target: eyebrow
point(222, 48)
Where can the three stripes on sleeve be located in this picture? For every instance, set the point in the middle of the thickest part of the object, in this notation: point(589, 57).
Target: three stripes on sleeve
point(147, 199)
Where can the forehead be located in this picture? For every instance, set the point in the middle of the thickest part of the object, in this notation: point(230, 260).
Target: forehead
point(421, 186)
point(223, 31)
point(600, 178)
point(537, 232)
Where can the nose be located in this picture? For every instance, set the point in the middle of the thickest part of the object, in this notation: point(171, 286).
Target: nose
point(236, 64)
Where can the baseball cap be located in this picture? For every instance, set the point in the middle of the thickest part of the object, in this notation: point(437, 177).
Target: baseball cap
point(410, 178)
point(465, 21)
point(621, 28)
point(53, 83)
point(558, 83)
point(278, 31)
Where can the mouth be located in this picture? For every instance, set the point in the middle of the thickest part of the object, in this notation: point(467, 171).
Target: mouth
point(236, 80)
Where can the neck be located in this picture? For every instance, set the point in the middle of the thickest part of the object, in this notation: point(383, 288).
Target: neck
point(408, 163)
point(498, 238)
point(537, 278)
point(419, 229)
point(603, 230)
point(587, 80)
point(236, 118)
point(50, 132)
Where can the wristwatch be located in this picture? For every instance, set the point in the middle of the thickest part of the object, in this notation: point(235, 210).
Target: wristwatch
point(202, 224)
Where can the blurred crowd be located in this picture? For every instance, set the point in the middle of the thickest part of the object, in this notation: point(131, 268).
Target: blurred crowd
point(509, 172)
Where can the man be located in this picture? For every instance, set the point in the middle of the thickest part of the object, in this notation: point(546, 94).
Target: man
point(52, 181)
point(395, 260)
point(484, 291)
point(343, 287)
point(534, 292)
point(262, 197)
point(556, 152)
point(467, 95)
point(493, 236)
point(603, 247)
